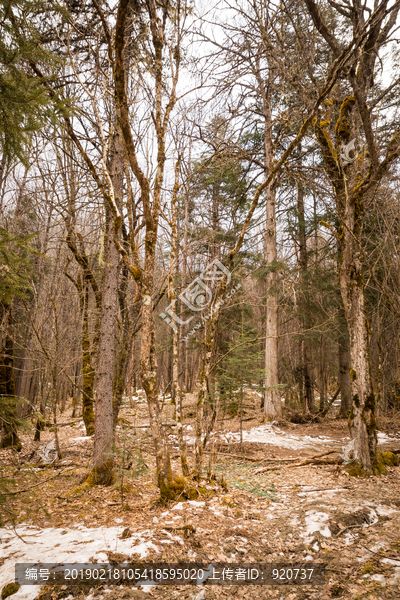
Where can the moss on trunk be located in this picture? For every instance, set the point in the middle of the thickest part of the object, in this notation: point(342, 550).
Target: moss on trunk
point(101, 475)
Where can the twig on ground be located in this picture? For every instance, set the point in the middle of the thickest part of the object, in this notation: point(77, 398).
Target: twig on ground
point(382, 555)
point(349, 527)
point(241, 456)
point(294, 459)
point(326, 490)
point(313, 460)
point(36, 484)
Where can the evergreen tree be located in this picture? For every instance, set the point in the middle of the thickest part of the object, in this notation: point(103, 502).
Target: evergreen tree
point(25, 104)
point(15, 256)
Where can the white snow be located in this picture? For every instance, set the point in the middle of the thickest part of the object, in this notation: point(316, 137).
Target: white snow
point(384, 437)
point(316, 522)
point(384, 510)
point(182, 505)
point(269, 434)
point(80, 545)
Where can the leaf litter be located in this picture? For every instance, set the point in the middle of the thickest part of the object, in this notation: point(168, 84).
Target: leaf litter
point(314, 513)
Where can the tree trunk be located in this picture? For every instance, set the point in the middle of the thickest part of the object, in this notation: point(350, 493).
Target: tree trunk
point(308, 404)
point(87, 369)
point(272, 397)
point(148, 371)
point(362, 416)
point(323, 383)
point(104, 431)
point(344, 376)
point(8, 410)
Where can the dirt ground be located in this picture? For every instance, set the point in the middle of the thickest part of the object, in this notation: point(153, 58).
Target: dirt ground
point(290, 514)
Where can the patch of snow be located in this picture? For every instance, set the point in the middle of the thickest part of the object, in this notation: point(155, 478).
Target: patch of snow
point(378, 546)
point(384, 510)
point(306, 493)
point(395, 580)
point(373, 518)
point(143, 548)
point(270, 434)
point(385, 437)
point(182, 505)
point(80, 545)
point(316, 522)
point(376, 577)
point(390, 561)
point(85, 438)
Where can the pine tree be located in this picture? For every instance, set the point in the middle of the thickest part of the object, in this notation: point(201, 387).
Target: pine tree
point(25, 103)
point(240, 369)
point(15, 256)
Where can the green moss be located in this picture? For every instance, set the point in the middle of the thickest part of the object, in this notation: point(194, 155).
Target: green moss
point(173, 490)
point(228, 502)
point(390, 459)
point(367, 569)
point(126, 533)
point(353, 375)
point(355, 470)
point(342, 129)
point(103, 475)
point(378, 465)
point(384, 459)
point(9, 590)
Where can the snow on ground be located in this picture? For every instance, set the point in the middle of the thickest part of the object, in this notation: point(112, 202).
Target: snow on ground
point(270, 434)
point(316, 521)
point(79, 545)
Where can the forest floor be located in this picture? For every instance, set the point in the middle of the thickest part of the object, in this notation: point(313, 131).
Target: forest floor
point(287, 514)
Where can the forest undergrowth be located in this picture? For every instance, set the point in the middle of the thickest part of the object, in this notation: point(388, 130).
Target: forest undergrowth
point(262, 505)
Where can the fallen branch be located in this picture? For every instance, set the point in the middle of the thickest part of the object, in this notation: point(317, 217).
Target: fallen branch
point(349, 527)
point(32, 486)
point(325, 490)
point(310, 461)
point(292, 459)
point(330, 403)
point(241, 456)
point(64, 424)
point(382, 555)
point(58, 465)
point(146, 426)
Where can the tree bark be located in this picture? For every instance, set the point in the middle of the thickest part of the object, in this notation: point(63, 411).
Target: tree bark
point(344, 376)
point(104, 431)
point(272, 397)
point(87, 368)
point(362, 422)
point(308, 398)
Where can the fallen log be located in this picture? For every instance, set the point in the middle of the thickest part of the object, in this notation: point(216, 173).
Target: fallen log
point(294, 459)
point(241, 456)
point(305, 463)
